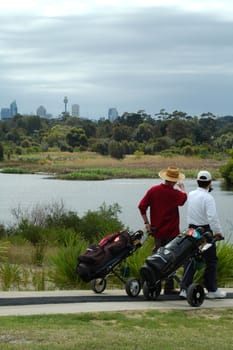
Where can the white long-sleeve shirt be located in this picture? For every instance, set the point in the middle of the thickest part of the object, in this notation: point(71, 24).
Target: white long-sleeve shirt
point(201, 210)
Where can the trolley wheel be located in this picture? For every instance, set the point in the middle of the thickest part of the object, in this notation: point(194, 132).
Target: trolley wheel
point(132, 287)
point(98, 285)
point(151, 293)
point(195, 294)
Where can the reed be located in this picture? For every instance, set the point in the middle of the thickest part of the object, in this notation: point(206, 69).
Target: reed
point(64, 162)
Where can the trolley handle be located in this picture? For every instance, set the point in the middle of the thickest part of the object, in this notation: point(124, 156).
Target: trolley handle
point(207, 245)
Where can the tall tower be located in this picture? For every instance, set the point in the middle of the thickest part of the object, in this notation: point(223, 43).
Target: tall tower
point(65, 102)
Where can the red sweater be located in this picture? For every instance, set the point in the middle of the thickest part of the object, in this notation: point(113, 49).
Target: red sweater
point(163, 201)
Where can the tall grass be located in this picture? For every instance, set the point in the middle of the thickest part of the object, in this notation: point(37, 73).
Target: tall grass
point(65, 162)
point(10, 276)
point(62, 265)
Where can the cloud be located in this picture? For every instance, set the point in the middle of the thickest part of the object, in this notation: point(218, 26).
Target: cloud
point(125, 54)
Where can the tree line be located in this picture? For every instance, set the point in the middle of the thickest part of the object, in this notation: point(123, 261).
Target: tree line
point(174, 132)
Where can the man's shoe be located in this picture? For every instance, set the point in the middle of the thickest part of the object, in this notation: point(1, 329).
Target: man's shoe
point(218, 294)
point(183, 294)
point(170, 291)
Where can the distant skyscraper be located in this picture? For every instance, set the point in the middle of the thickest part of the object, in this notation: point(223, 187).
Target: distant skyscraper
point(5, 113)
point(41, 112)
point(75, 110)
point(13, 109)
point(112, 114)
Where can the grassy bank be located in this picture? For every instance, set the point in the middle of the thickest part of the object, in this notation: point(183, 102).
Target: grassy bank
point(145, 330)
point(87, 165)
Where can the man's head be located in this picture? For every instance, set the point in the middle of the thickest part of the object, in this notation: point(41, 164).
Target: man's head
point(204, 178)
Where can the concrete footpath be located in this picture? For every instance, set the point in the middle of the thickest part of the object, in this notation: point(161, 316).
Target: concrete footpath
point(77, 301)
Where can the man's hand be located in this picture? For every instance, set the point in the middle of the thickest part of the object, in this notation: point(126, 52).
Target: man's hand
point(181, 186)
point(148, 227)
point(218, 236)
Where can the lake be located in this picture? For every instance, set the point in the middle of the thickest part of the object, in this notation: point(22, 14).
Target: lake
point(27, 191)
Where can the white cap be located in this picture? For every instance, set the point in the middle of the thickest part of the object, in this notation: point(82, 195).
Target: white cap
point(204, 175)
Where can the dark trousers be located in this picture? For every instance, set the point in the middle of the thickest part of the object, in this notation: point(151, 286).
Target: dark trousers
point(161, 242)
point(210, 274)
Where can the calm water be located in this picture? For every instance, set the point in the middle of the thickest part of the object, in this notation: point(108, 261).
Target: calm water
point(27, 191)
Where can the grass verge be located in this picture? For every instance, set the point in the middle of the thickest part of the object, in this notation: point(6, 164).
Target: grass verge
point(132, 330)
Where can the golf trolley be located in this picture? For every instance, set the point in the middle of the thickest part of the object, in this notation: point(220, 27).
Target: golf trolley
point(163, 264)
point(101, 260)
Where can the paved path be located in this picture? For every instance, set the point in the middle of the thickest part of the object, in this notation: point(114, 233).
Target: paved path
point(59, 302)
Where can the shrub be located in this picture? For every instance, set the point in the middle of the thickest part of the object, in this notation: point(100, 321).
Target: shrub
point(62, 266)
point(227, 172)
point(96, 224)
point(10, 276)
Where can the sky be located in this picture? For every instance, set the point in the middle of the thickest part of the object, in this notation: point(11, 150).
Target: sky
point(126, 54)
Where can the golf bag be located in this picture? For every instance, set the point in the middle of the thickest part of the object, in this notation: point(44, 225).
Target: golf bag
point(170, 257)
point(98, 255)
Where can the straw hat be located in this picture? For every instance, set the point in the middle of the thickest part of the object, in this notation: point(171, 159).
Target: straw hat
point(171, 174)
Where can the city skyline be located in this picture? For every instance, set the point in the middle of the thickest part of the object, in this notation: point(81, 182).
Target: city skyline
point(41, 111)
point(132, 55)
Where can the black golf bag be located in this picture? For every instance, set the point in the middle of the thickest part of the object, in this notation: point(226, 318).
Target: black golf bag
point(170, 257)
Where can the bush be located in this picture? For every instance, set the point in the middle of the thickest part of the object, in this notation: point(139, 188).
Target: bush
point(62, 266)
point(227, 172)
point(96, 224)
point(52, 223)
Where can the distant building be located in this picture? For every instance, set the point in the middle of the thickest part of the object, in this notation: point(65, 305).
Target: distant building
point(5, 113)
point(13, 109)
point(41, 111)
point(112, 114)
point(75, 110)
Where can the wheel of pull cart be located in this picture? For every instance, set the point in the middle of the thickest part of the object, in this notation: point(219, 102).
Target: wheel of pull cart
point(151, 292)
point(98, 285)
point(195, 294)
point(133, 287)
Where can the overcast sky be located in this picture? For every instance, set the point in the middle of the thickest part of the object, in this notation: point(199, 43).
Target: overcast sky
point(128, 54)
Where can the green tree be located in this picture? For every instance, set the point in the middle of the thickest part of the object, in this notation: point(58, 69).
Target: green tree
point(131, 119)
point(76, 137)
point(56, 136)
point(177, 129)
point(121, 132)
point(143, 133)
point(116, 150)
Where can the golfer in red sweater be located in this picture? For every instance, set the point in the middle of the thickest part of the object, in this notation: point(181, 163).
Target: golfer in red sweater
point(163, 221)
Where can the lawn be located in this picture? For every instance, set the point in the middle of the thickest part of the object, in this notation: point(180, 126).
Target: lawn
point(130, 330)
